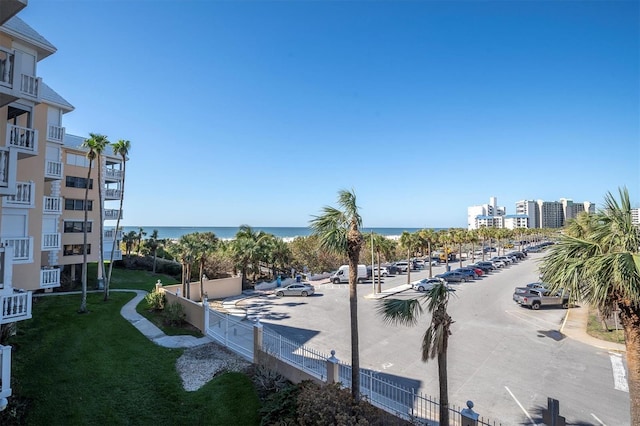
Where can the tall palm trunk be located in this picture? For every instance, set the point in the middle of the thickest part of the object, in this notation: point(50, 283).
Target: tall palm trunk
point(379, 276)
point(430, 266)
point(409, 266)
point(630, 319)
point(444, 392)
point(113, 246)
point(102, 273)
point(354, 243)
point(155, 256)
point(83, 302)
point(460, 253)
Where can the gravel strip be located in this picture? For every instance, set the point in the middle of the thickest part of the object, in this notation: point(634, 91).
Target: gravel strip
point(199, 365)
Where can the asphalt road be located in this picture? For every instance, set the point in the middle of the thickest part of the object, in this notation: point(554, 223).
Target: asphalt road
point(504, 358)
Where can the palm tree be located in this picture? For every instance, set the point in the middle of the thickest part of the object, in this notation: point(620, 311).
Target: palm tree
point(459, 236)
point(339, 232)
point(128, 239)
point(598, 260)
point(141, 234)
point(381, 245)
point(409, 242)
point(120, 148)
point(430, 237)
point(472, 237)
point(436, 339)
point(445, 238)
point(205, 244)
point(153, 243)
point(94, 146)
point(247, 251)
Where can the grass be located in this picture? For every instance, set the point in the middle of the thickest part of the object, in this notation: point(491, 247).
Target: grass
point(96, 368)
point(594, 329)
point(131, 279)
point(157, 319)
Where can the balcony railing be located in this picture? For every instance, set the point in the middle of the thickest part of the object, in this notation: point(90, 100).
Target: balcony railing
point(112, 194)
point(6, 67)
point(15, 307)
point(52, 205)
point(112, 214)
point(22, 248)
point(55, 133)
point(111, 234)
point(30, 85)
point(4, 167)
point(117, 254)
point(53, 170)
point(6, 267)
point(50, 277)
point(23, 197)
point(23, 138)
point(113, 174)
point(51, 241)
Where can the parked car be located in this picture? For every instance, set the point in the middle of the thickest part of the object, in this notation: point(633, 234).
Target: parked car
point(297, 289)
point(467, 271)
point(536, 285)
point(488, 265)
point(402, 266)
point(498, 263)
point(484, 268)
point(384, 272)
point(392, 269)
point(454, 276)
point(534, 298)
point(425, 284)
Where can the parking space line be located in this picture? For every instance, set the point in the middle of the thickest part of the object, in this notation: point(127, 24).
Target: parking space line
point(619, 375)
point(521, 407)
point(598, 420)
point(527, 317)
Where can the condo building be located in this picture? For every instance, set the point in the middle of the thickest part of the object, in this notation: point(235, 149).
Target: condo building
point(43, 173)
point(485, 215)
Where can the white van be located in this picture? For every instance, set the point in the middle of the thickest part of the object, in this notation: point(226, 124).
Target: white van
point(342, 274)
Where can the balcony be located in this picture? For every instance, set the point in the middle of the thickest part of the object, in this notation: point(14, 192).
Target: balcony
point(53, 170)
point(15, 307)
point(55, 133)
point(51, 241)
point(6, 267)
point(14, 83)
point(23, 197)
point(8, 166)
point(22, 248)
point(114, 175)
point(24, 139)
point(111, 234)
point(9, 8)
point(49, 277)
point(117, 254)
point(112, 194)
point(52, 205)
point(112, 214)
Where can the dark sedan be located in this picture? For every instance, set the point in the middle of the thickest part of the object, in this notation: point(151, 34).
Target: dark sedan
point(454, 276)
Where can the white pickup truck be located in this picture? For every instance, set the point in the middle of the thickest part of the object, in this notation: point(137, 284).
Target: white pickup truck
point(534, 298)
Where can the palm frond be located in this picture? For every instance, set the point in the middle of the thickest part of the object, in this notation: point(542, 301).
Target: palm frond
point(396, 311)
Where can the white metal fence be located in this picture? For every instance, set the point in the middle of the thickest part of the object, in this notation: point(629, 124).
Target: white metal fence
point(296, 354)
point(231, 331)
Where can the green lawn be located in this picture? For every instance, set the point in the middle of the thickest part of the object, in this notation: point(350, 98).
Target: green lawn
point(594, 328)
point(96, 368)
point(128, 278)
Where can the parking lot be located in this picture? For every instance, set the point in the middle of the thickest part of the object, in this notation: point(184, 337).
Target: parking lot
point(505, 358)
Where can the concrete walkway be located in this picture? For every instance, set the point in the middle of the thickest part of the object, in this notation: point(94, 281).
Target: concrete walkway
point(152, 332)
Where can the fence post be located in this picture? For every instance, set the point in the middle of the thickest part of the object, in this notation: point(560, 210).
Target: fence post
point(257, 341)
point(468, 417)
point(333, 373)
point(205, 306)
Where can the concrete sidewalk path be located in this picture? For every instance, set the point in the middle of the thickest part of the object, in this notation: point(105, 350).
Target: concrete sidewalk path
point(575, 327)
point(152, 332)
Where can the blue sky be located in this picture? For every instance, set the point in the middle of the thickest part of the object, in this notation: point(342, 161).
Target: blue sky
point(258, 112)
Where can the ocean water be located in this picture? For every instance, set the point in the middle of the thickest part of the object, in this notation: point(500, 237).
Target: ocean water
point(229, 232)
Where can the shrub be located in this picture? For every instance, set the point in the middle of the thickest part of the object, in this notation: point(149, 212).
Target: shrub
point(174, 314)
point(155, 300)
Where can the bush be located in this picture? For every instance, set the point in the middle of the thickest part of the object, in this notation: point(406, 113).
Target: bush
point(174, 315)
point(155, 300)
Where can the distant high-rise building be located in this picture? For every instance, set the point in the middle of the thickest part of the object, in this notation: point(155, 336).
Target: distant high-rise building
point(635, 216)
point(529, 208)
point(485, 215)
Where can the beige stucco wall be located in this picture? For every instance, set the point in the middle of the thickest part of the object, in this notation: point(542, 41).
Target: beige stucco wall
point(194, 310)
point(215, 289)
